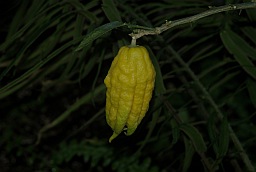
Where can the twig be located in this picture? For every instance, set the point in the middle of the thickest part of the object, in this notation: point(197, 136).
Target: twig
point(170, 24)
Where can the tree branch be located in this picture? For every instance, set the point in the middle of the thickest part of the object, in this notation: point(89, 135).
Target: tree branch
point(170, 24)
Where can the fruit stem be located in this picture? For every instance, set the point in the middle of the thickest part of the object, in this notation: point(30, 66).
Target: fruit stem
point(133, 43)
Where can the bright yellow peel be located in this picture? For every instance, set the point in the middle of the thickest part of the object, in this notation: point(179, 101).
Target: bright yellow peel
point(130, 83)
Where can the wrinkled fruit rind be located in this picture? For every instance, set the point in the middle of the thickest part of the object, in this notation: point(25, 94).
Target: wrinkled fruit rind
point(130, 83)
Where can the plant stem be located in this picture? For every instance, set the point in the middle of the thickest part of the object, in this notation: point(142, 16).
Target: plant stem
point(133, 43)
point(170, 24)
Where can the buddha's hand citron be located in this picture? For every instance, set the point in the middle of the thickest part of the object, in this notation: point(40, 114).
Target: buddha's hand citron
point(130, 83)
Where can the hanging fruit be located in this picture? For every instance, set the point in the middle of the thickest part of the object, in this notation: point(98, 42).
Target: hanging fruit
point(130, 83)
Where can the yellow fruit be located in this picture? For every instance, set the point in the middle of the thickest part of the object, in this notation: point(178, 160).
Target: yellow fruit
point(130, 83)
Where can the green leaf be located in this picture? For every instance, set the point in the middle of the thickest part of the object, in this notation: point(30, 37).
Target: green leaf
point(223, 138)
point(212, 133)
point(223, 142)
point(239, 53)
point(87, 67)
point(17, 19)
point(214, 66)
point(251, 86)
point(98, 32)
point(223, 80)
point(195, 44)
point(189, 152)
point(111, 11)
point(31, 25)
point(195, 136)
point(33, 37)
point(159, 85)
point(251, 14)
point(250, 32)
point(205, 52)
point(175, 131)
point(157, 111)
point(85, 9)
point(78, 29)
point(19, 82)
point(243, 45)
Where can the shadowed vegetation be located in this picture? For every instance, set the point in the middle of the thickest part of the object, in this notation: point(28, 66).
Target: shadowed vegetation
point(56, 54)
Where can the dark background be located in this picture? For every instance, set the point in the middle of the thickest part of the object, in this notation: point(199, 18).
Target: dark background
point(52, 98)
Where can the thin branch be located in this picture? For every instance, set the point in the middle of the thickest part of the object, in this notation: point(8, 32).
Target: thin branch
point(170, 24)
